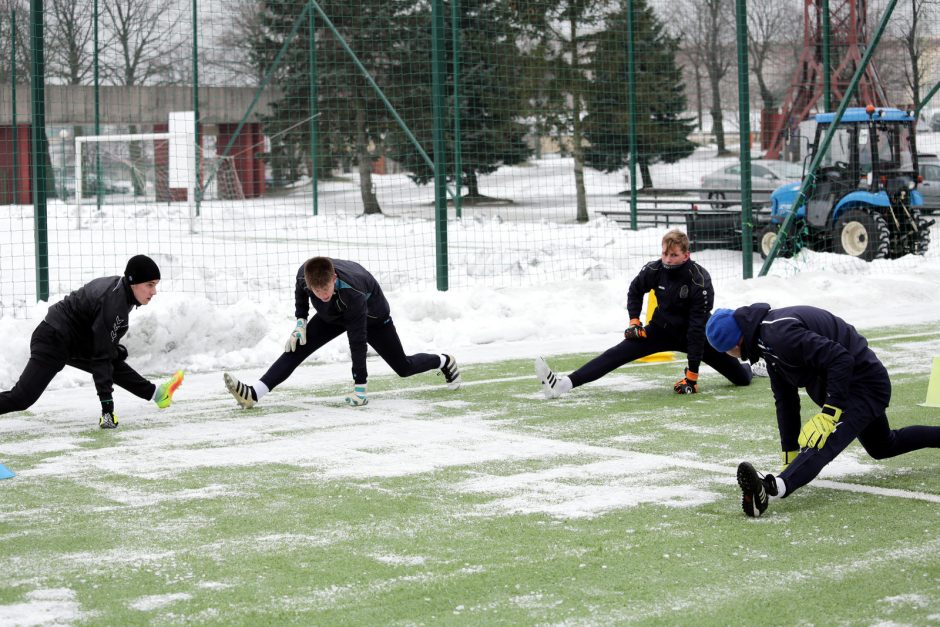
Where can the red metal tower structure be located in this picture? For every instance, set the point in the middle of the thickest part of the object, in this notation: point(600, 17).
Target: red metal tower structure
point(847, 42)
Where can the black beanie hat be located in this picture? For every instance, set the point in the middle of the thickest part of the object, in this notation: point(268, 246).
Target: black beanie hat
point(140, 269)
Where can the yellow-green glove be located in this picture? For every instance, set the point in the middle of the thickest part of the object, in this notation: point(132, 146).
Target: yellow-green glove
point(788, 457)
point(818, 429)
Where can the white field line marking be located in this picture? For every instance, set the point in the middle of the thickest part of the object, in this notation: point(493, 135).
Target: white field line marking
point(684, 463)
point(904, 336)
point(673, 461)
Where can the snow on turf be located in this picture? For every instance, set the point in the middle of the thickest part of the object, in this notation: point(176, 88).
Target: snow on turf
point(213, 314)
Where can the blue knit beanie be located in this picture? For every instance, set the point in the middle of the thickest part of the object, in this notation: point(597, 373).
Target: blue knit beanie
point(722, 330)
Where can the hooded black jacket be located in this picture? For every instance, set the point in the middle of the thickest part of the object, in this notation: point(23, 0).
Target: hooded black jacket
point(808, 347)
point(93, 319)
point(684, 300)
point(357, 301)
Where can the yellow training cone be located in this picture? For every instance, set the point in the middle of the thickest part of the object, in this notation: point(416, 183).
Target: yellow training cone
point(933, 387)
point(650, 308)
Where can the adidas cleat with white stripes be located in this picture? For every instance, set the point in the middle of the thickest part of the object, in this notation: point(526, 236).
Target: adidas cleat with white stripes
point(550, 383)
point(755, 490)
point(244, 395)
point(451, 373)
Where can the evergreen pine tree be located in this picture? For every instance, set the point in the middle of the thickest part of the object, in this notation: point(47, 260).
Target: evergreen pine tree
point(662, 130)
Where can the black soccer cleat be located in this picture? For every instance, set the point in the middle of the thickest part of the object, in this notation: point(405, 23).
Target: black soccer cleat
point(451, 372)
point(755, 490)
point(108, 421)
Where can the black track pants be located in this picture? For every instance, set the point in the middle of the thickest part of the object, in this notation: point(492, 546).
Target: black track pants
point(658, 340)
point(864, 418)
point(48, 356)
point(381, 336)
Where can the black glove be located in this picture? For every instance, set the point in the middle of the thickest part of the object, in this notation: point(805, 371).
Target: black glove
point(635, 331)
point(120, 352)
point(688, 384)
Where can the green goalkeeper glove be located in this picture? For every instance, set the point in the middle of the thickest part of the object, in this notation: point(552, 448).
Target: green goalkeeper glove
point(818, 429)
point(358, 397)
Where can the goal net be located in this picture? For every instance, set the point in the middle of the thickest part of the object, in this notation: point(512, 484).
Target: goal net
point(137, 168)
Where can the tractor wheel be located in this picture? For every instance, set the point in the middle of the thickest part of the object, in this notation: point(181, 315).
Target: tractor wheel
point(923, 232)
point(766, 240)
point(862, 234)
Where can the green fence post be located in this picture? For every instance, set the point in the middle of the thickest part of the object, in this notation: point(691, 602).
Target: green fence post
point(312, 97)
point(826, 68)
point(16, 141)
point(197, 189)
point(827, 139)
point(744, 117)
point(458, 161)
point(99, 189)
point(440, 172)
point(631, 104)
point(38, 149)
point(930, 94)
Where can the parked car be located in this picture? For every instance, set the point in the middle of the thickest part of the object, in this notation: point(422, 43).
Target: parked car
point(935, 121)
point(929, 187)
point(766, 176)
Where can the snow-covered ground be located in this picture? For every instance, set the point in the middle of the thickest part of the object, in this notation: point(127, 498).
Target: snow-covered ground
point(525, 278)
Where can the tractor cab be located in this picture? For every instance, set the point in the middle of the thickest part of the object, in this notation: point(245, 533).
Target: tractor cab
point(871, 151)
point(863, 201)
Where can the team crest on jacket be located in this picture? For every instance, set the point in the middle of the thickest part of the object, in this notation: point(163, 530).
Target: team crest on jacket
point(684, 292)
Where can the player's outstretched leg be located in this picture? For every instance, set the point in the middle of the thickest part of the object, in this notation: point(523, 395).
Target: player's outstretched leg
point(244, 394)
point(552, 386)
point(755, 490)
point(451, 372)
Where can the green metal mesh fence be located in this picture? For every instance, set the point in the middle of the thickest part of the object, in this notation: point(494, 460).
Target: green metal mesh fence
point(457, 144)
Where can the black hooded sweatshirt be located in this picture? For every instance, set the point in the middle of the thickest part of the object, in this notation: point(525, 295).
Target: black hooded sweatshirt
point(92, 320)
point(808, 347)
point(684, 300)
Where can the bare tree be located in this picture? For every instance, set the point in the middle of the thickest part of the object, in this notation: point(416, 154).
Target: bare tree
point(146, 39)
point(22, 61)
point(568, 44)
point(771, 25)
point(705, 29)
point(71, 27)
point(229, 57)
point(912, 29)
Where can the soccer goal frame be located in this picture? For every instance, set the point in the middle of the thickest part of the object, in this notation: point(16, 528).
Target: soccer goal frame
point(181, 142)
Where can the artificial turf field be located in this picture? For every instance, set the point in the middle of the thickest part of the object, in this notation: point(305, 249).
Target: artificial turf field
point(616, 504)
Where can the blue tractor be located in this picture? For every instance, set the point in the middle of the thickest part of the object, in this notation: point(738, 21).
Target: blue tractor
point(864, 200)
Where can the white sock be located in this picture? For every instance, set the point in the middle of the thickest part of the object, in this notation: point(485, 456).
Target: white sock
point(781, 487)
point(443, 361)
point(564, 385)
point(260, 389)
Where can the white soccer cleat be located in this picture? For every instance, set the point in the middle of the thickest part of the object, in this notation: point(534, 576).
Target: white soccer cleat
point(550, 383)
point(451, 372)
point(242, 393)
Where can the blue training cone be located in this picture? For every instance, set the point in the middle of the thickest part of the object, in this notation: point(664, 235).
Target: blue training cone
point(6, 473)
